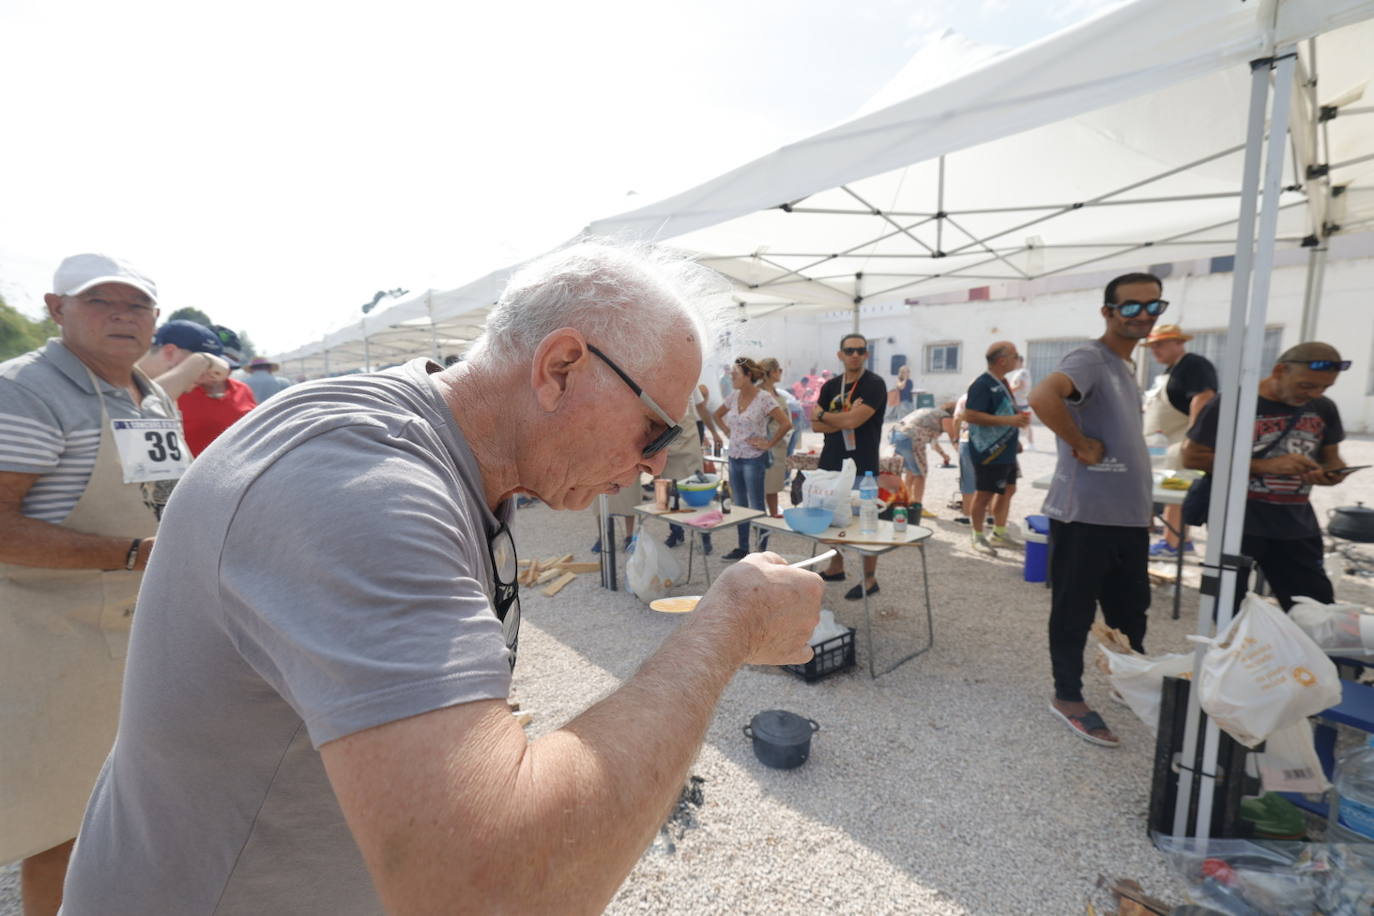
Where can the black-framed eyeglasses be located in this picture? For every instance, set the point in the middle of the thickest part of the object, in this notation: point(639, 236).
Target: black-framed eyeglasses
point(855, 351)
point(1322, 365)
point(663, 439)
point(1130, 309)
point(505, 602)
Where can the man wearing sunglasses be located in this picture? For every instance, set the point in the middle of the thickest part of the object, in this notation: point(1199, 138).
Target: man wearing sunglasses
point(1296, 444)
point(1099, 502)
point(315, 716)
point(850, 413)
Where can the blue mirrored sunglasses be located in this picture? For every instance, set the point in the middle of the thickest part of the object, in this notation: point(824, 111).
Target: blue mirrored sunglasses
point(1322, 365)
point(1130, 309)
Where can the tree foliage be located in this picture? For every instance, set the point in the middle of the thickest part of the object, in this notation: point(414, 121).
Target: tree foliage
point(190, 313)
point(20, 334)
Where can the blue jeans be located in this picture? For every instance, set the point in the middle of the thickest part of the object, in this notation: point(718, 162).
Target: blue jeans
point(902, 443)
point(746, 487)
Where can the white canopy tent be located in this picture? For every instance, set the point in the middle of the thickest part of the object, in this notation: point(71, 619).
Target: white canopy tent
point(1116, 142)
point(1143, 135)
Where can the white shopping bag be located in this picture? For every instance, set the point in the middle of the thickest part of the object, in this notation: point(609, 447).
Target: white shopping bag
point(1140, 679)
point(830, 490)
point(652, 570)
point(1289, 761)
point(1339, 629)
point(1262, 673)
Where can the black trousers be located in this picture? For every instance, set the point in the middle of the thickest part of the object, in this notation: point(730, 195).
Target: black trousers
point(1092, 565)
point(1291, 566)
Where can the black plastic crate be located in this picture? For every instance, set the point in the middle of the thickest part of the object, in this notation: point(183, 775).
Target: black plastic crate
point(835, 654)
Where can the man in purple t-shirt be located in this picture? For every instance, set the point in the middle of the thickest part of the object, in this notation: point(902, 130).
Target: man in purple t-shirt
point(1099, 501)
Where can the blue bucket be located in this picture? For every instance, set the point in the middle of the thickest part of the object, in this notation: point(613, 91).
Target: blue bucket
point(1037, 548)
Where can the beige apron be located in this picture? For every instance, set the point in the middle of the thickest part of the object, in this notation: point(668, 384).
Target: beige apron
point(63, 638)
point(1163, 417)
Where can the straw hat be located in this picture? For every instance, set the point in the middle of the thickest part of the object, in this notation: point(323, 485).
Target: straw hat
point(1167, 332)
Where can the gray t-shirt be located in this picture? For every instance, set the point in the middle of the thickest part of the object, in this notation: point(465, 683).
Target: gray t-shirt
point(1117, 490)
point(321, 569)
point(50, 426)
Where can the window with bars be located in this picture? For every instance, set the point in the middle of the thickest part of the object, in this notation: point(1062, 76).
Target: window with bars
point(1043, 356)
point(1212, 344)
point(942, 357)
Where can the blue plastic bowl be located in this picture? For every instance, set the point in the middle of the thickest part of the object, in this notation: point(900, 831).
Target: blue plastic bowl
point(698, 497)
point(807, 521)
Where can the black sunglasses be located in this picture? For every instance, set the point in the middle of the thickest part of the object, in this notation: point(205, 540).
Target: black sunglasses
point(1131, 309)
point(663, 439)
point(505, 603)
point(1322, 365)
point(855, 351)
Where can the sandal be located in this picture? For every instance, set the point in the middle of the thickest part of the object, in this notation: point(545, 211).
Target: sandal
point(1083, 726)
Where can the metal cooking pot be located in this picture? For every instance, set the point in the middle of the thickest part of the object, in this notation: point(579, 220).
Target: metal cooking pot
point(1353, 523)
point(782, 739)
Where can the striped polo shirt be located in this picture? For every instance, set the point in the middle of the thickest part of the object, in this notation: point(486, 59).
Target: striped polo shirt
point(50, 425)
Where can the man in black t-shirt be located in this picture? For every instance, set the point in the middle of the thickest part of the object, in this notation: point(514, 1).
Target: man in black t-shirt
point(849, 411)
point(1298, 431)
point(1171, 407)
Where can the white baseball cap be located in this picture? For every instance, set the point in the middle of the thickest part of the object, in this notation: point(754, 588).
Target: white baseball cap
point(80, 272)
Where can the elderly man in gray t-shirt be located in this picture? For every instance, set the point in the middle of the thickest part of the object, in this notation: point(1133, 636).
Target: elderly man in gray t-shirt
point(315, 715)
point(1099, 501)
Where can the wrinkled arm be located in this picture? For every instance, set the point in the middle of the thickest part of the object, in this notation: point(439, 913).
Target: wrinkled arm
point(28, 541)
point(456, 810)
point(720, 419)
point(710, 423)
point(186, 374)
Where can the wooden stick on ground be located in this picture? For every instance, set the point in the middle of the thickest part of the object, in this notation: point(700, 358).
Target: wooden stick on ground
point(558, 584)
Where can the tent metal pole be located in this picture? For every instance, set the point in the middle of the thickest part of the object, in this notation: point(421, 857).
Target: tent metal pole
point(1222, 585)
point(1312, 294)
point(858, 298)
point(433, 331)
point(940, 208)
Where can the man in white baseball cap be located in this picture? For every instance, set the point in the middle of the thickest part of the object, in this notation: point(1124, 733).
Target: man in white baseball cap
point(89, 448)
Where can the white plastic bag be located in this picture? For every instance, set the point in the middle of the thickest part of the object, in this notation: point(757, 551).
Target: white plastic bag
point(1289, 761)
point(1339, 629)
point(652, 570)
point(1263, 673)
point(830, 490)
point(1140, 679)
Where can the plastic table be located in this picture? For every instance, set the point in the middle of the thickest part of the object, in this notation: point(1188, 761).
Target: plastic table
point(848, 539)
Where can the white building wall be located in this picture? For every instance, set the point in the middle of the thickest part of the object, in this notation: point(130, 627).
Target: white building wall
point(1198, 302)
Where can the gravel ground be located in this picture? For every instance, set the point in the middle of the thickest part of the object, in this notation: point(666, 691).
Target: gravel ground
point(944, 787)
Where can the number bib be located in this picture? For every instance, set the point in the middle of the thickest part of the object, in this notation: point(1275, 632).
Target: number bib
point(150, 449)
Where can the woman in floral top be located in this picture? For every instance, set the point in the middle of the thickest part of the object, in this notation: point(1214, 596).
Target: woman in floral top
point(744, 419)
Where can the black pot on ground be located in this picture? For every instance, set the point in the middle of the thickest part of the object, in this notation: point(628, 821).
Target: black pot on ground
point(1353, 523)
point(782, 739)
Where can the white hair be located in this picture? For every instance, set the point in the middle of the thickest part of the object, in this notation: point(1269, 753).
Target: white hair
point(623, 297)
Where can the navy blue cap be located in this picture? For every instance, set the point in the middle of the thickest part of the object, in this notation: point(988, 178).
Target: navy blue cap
point(189, 335)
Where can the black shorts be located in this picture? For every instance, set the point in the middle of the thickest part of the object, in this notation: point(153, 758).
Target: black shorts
point(994, 478)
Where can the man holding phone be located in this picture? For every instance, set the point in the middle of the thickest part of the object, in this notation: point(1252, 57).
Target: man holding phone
point(1298, 432)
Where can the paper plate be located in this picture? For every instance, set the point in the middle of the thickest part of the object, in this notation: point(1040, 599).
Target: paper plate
point(679, 605)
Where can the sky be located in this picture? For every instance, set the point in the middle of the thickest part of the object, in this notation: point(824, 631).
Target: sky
point(276, 163)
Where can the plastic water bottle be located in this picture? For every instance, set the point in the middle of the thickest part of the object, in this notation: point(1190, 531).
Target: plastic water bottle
point(1351, 819)
point(1351, 823)
point(868, 504)
point(1158, 443)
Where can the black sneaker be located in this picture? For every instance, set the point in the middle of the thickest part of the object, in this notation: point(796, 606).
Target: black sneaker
point(674, 537)
point(963, 520)
point(739, 553)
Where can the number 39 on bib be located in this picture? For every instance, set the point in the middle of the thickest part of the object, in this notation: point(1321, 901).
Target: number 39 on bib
point(150, 449)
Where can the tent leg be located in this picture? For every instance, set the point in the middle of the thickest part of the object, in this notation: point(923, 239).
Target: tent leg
point(1222, 581)
point(1312, 295)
